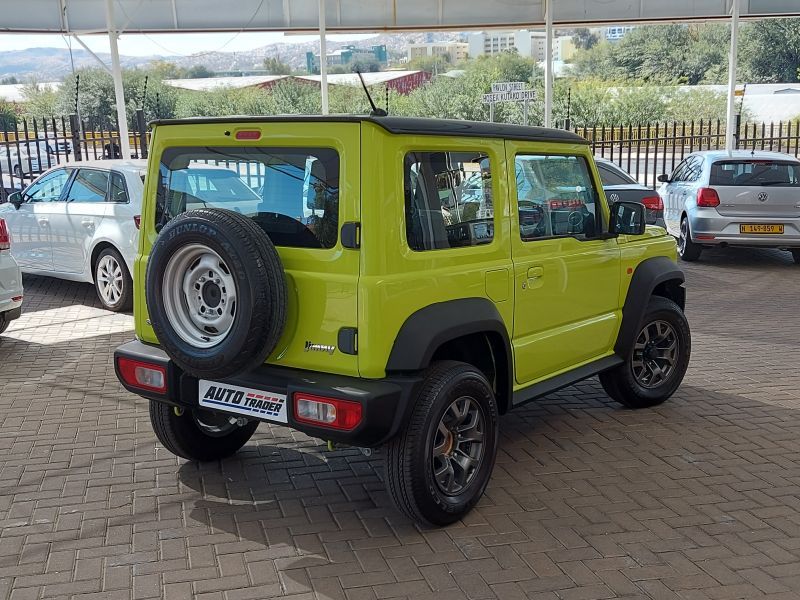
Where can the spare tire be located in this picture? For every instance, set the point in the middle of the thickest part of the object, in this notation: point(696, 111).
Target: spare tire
point(216, 293)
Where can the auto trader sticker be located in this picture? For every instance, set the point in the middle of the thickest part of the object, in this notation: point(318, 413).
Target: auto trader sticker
point(244, 401)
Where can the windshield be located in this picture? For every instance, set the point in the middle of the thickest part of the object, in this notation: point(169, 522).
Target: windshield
point(772, 173)
point(291, 193)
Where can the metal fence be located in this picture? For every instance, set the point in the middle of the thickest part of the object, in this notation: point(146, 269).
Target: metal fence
point(644, 151)
point(39, 144)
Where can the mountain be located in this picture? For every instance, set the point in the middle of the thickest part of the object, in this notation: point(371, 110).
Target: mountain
point(52, 64)
point(294, 54)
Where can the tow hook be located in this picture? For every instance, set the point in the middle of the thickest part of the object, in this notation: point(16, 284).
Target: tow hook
point(238, 421)
point(338, 446)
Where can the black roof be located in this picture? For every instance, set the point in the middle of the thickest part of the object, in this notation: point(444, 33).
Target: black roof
point(409, 125)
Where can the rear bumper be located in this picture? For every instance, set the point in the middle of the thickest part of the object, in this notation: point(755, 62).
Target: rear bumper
point(708, 227)
point(384, 402)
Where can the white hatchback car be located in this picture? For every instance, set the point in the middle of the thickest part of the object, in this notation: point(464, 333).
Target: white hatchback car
point(10, 281)
point(741, 198)
point(80, 221)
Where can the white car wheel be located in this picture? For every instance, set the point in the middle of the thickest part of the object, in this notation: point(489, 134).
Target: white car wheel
point(112, 281)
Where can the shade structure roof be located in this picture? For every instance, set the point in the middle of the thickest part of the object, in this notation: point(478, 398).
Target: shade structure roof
point(171, 16)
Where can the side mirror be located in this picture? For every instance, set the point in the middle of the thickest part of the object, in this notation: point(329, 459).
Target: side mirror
point(627, 218)
point(663, 178)
point(15, 199)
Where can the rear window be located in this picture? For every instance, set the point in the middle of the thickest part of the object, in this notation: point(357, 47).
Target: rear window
point(612, 176)
point(755, 173)
point(291, 193)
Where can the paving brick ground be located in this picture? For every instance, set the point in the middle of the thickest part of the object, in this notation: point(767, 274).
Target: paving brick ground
point(697, 499)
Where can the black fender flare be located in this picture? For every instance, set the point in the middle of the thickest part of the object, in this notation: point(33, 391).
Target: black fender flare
point(649, 274)
point(425, 330)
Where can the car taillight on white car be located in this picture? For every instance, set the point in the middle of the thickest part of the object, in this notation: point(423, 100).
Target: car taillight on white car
point(707, 198)
point(5, 238)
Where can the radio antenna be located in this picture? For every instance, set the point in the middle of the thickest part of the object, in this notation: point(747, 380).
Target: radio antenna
point(376, 112)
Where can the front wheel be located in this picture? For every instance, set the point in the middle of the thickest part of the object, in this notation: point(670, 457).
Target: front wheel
point(658, 360)
point(438, 467)
point(198, 434)
point(112, 281)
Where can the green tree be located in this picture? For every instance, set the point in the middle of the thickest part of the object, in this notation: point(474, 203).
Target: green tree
point(770, 51)
point(11, 80)
point(274, 66)
point(199, 72)
point(584, 39)
point(96, 99)
point(40, 101)
point(436, 63)
point(8, 116)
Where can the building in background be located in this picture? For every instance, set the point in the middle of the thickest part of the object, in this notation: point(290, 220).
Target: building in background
point(457, 51)
point(613, 33)
point(527, 43)
point(349, 55)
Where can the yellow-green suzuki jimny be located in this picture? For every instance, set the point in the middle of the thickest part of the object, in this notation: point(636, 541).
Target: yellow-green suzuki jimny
point(389, 282)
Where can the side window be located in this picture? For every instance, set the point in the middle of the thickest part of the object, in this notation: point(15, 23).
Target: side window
point(117, 192)
point(556, 197)
point(49, 187)
point(89, 185)
point(694, 166)
point(448, 200)
point(679, 174)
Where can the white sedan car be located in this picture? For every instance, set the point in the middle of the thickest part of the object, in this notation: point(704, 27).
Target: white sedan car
point(80, 221)
point(741, 198)
point(10, 281)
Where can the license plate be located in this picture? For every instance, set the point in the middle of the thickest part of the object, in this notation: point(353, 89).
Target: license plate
point(244, 401)
point(761, 229)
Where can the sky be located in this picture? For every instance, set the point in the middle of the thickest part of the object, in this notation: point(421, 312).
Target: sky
point(165, 44)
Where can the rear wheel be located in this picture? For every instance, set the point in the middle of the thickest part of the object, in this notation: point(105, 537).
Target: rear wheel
point(438, 466)
point(687, 249)
point(198, 434)
point(658, 360)
point(112, 281)
point(796, 255)
point(4, 323)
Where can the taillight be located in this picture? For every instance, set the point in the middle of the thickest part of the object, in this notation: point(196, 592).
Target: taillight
point(137, 220)
point(5, 239)
point(327, 412)
point(707, 197)
point(653, 203)
point(142, 375)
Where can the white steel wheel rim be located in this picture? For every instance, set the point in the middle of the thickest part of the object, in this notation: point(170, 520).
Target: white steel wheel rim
point(199, 295)
point(110, 280)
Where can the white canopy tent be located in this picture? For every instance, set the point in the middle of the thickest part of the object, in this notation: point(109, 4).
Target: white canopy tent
point(112, 17)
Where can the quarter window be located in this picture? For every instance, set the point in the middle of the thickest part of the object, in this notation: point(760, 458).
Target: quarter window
point(89, 185)
point(117, 192)
point(448, 200)
point(556, 197)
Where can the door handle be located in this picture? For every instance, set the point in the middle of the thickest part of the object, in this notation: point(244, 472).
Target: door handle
point(535, 275)
point(535, 272)
point(42, 221)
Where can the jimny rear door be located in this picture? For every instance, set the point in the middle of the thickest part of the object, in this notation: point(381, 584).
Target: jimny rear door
point(300, 182)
